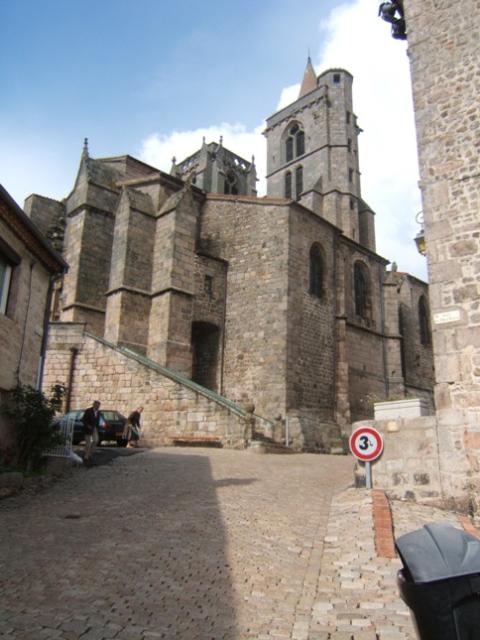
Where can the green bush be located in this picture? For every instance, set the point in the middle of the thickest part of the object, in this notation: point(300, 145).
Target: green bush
point(31, 414)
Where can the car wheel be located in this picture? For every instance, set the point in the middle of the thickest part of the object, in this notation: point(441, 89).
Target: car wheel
point(121, 442)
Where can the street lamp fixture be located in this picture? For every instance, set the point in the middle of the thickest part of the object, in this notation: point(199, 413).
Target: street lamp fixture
point(420, 237)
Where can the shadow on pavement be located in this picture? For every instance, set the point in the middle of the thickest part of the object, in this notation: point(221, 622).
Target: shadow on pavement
point(134, 547)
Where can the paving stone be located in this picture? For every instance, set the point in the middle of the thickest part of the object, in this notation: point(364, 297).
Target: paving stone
point(197, 545)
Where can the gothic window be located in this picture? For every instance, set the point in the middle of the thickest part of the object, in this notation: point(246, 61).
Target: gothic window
point(294, 143)
point(288, 185)
point(300, 139)
point(289, 149)
point(362, 290)
point(316, 271)
point(298, 182)
point(423, 321)
point(401, 331)
point(230, 184)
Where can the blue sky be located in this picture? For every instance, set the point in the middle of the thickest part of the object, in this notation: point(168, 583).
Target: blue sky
point(150, 77)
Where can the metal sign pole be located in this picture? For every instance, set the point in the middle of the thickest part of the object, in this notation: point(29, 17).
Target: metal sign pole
point(368, 472)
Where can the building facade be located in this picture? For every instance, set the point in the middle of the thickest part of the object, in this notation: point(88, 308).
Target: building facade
point(28, 265)
point(279, 301)
point(444, 50)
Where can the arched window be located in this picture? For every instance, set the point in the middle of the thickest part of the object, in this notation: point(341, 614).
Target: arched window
point(230, 184)
point(300, 140)
point(298, 182)
point(288, 185)
point(316, 271)
point(401, 331)
point(294, 142)
point(362, 290)
point(423, 321)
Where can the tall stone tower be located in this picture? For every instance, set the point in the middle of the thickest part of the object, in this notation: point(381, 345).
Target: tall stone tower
point(312, 154)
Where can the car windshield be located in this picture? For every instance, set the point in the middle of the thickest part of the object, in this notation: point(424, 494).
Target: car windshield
point(109, 415)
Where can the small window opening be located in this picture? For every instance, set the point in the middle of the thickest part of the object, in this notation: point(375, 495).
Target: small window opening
point(316, 271)
point(288, 185)
point(350, 175)
point(298, 182)
point(362, 290)
point(347, 117)
point(336, 78)
point(349, 145)
point(208, 285)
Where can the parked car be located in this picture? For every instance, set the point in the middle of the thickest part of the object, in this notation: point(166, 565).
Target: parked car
point(112, 424)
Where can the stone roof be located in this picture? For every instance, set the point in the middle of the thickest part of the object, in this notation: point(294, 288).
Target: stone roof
point(309, 82)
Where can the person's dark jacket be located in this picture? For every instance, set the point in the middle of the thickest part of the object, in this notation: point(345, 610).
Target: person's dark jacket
point(90, 420)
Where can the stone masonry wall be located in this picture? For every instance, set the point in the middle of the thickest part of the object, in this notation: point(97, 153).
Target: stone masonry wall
point(366, 350)
point(119, 382)
point(311, 320)
point(21, 327)
point(253, 237)
point(409, 467)
point(444, 49)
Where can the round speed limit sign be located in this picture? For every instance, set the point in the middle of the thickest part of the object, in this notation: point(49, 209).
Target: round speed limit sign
point(366, 444)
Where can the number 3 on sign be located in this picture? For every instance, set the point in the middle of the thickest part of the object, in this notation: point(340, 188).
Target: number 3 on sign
point(366, 444)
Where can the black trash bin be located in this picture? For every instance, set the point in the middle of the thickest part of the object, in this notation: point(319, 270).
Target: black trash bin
point(440, 582)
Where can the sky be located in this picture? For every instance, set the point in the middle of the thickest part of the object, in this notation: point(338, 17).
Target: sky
point(150, 78)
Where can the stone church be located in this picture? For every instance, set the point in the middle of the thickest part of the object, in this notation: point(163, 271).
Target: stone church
point(280, 303)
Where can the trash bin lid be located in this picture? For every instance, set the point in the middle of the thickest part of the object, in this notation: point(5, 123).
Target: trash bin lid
point(439, 551)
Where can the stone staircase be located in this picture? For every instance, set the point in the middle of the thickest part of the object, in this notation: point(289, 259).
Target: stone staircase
point(263, 442)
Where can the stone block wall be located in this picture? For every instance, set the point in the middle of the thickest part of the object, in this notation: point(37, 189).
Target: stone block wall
point(444, 49)
point(21, 327)
point(409, 466)
point(311, 319)
point(171, 408)
point(252, 235)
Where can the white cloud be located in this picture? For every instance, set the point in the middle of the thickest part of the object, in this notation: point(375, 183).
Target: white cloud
point(359, 41)
point(356, 39)
point(158, 149)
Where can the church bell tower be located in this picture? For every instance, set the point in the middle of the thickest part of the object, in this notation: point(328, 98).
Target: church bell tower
point(312, 152)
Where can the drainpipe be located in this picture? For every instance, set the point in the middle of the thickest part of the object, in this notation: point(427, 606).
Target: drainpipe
point(73, 357)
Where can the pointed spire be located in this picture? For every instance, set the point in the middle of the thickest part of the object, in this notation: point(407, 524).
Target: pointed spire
point(85, 148)
point(309, 82)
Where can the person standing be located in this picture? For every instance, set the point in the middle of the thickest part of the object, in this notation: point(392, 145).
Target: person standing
point(133, 427)
point(91, 421)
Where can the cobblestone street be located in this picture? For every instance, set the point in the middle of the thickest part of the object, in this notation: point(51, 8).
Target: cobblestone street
point(171, 543)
